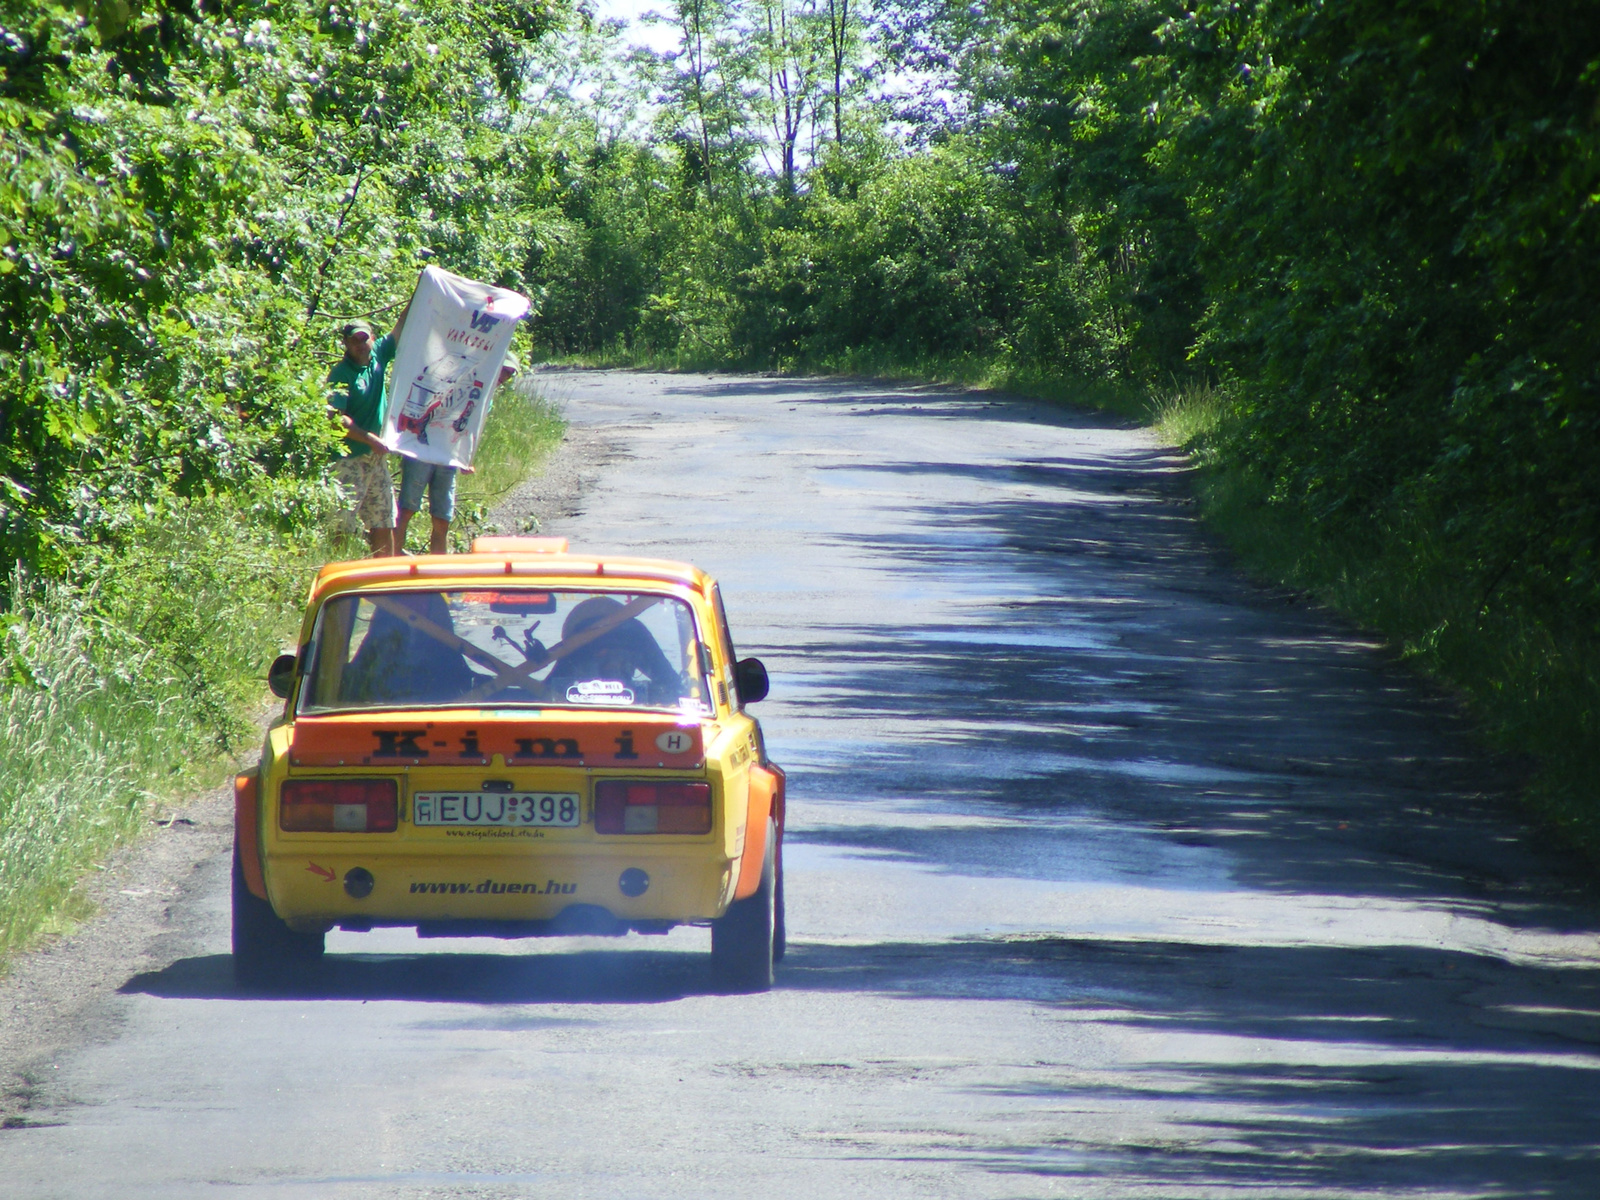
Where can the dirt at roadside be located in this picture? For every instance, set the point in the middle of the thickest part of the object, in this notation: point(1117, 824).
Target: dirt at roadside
point(55, 998)
point(61, 995)
point(553, 495)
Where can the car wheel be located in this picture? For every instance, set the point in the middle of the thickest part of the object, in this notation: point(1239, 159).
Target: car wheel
point(266, 952)
point(780, 927)
point(742, 938)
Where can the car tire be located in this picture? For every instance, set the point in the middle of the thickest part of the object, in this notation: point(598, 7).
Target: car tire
point(780, 926)
point(742, 939)
point(266, 952)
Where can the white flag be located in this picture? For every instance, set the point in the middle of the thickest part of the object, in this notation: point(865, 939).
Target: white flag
point(446, 366)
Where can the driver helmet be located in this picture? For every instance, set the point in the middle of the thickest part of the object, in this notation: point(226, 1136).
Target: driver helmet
point(590, 612)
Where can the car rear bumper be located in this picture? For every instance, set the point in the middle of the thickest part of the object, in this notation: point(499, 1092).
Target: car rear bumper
point(636, 885)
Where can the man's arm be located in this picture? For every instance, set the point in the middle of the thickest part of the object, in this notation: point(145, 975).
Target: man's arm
point(356, 434)
point(336, 401)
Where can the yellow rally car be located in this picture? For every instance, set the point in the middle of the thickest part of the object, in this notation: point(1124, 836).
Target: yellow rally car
point(513, 742)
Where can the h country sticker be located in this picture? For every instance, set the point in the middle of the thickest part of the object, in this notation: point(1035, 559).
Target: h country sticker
point(674, 741)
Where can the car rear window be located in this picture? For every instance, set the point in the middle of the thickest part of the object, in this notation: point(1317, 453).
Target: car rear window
point(483, 648)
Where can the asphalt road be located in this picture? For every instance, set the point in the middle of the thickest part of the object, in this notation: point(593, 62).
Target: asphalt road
point(1110, 874)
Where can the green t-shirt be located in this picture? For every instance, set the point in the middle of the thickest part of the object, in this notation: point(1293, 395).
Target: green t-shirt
point(358, 392)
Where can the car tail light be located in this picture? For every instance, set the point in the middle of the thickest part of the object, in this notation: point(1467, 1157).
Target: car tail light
point(338, 806)
point(651, 806)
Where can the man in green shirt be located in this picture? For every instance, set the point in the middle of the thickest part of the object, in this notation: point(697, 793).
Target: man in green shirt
point(358, 398)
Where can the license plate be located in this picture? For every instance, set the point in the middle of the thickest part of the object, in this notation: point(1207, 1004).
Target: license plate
point(496, 808)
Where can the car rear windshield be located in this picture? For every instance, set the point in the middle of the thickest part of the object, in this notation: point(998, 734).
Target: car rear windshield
point(509, 647)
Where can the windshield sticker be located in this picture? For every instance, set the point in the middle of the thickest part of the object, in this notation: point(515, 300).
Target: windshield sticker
point(600, 691)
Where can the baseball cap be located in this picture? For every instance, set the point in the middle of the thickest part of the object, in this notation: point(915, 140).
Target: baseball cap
point(511, 361)
point(351, 328)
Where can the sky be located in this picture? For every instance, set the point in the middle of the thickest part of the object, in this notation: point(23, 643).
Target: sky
point(657, 37)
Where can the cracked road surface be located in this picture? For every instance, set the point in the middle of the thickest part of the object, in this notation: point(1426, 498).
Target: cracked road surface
point(1109, 875)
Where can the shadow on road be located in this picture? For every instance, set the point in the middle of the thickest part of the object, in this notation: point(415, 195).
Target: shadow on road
point(1122, 674)
point(1347, 1069)
point(866, 397)
point(1122, 707)
point(1118, 705)
point(586, 977)
point(1304, 1067)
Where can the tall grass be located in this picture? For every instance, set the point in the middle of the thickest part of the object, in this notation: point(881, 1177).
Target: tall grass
point(1188, 412)
point(68, 785)
point(145, 677)
point(137, 683)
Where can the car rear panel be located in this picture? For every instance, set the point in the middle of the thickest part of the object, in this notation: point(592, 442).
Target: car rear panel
point(498, 873)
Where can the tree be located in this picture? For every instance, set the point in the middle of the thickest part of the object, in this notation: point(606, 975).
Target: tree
point(787, 63)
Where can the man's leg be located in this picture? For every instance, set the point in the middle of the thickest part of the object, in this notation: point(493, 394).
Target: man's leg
point(351, 482)
point(442, 507)
point(414, 480)
point(377, 507)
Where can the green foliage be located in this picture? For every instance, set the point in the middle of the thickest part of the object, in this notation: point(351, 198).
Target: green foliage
point(1093, 112)
point(1400, 262)
point(193, 194)
point(130, 686)
point(53, 821)
point(920, 261)
point(1400, 256)
point(1357, 239)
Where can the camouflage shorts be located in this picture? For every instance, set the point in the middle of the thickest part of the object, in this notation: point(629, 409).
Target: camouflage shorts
point(368, 490)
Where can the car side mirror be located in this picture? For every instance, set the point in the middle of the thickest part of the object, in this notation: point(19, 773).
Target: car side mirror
point(280, 676)
point(751, 676)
